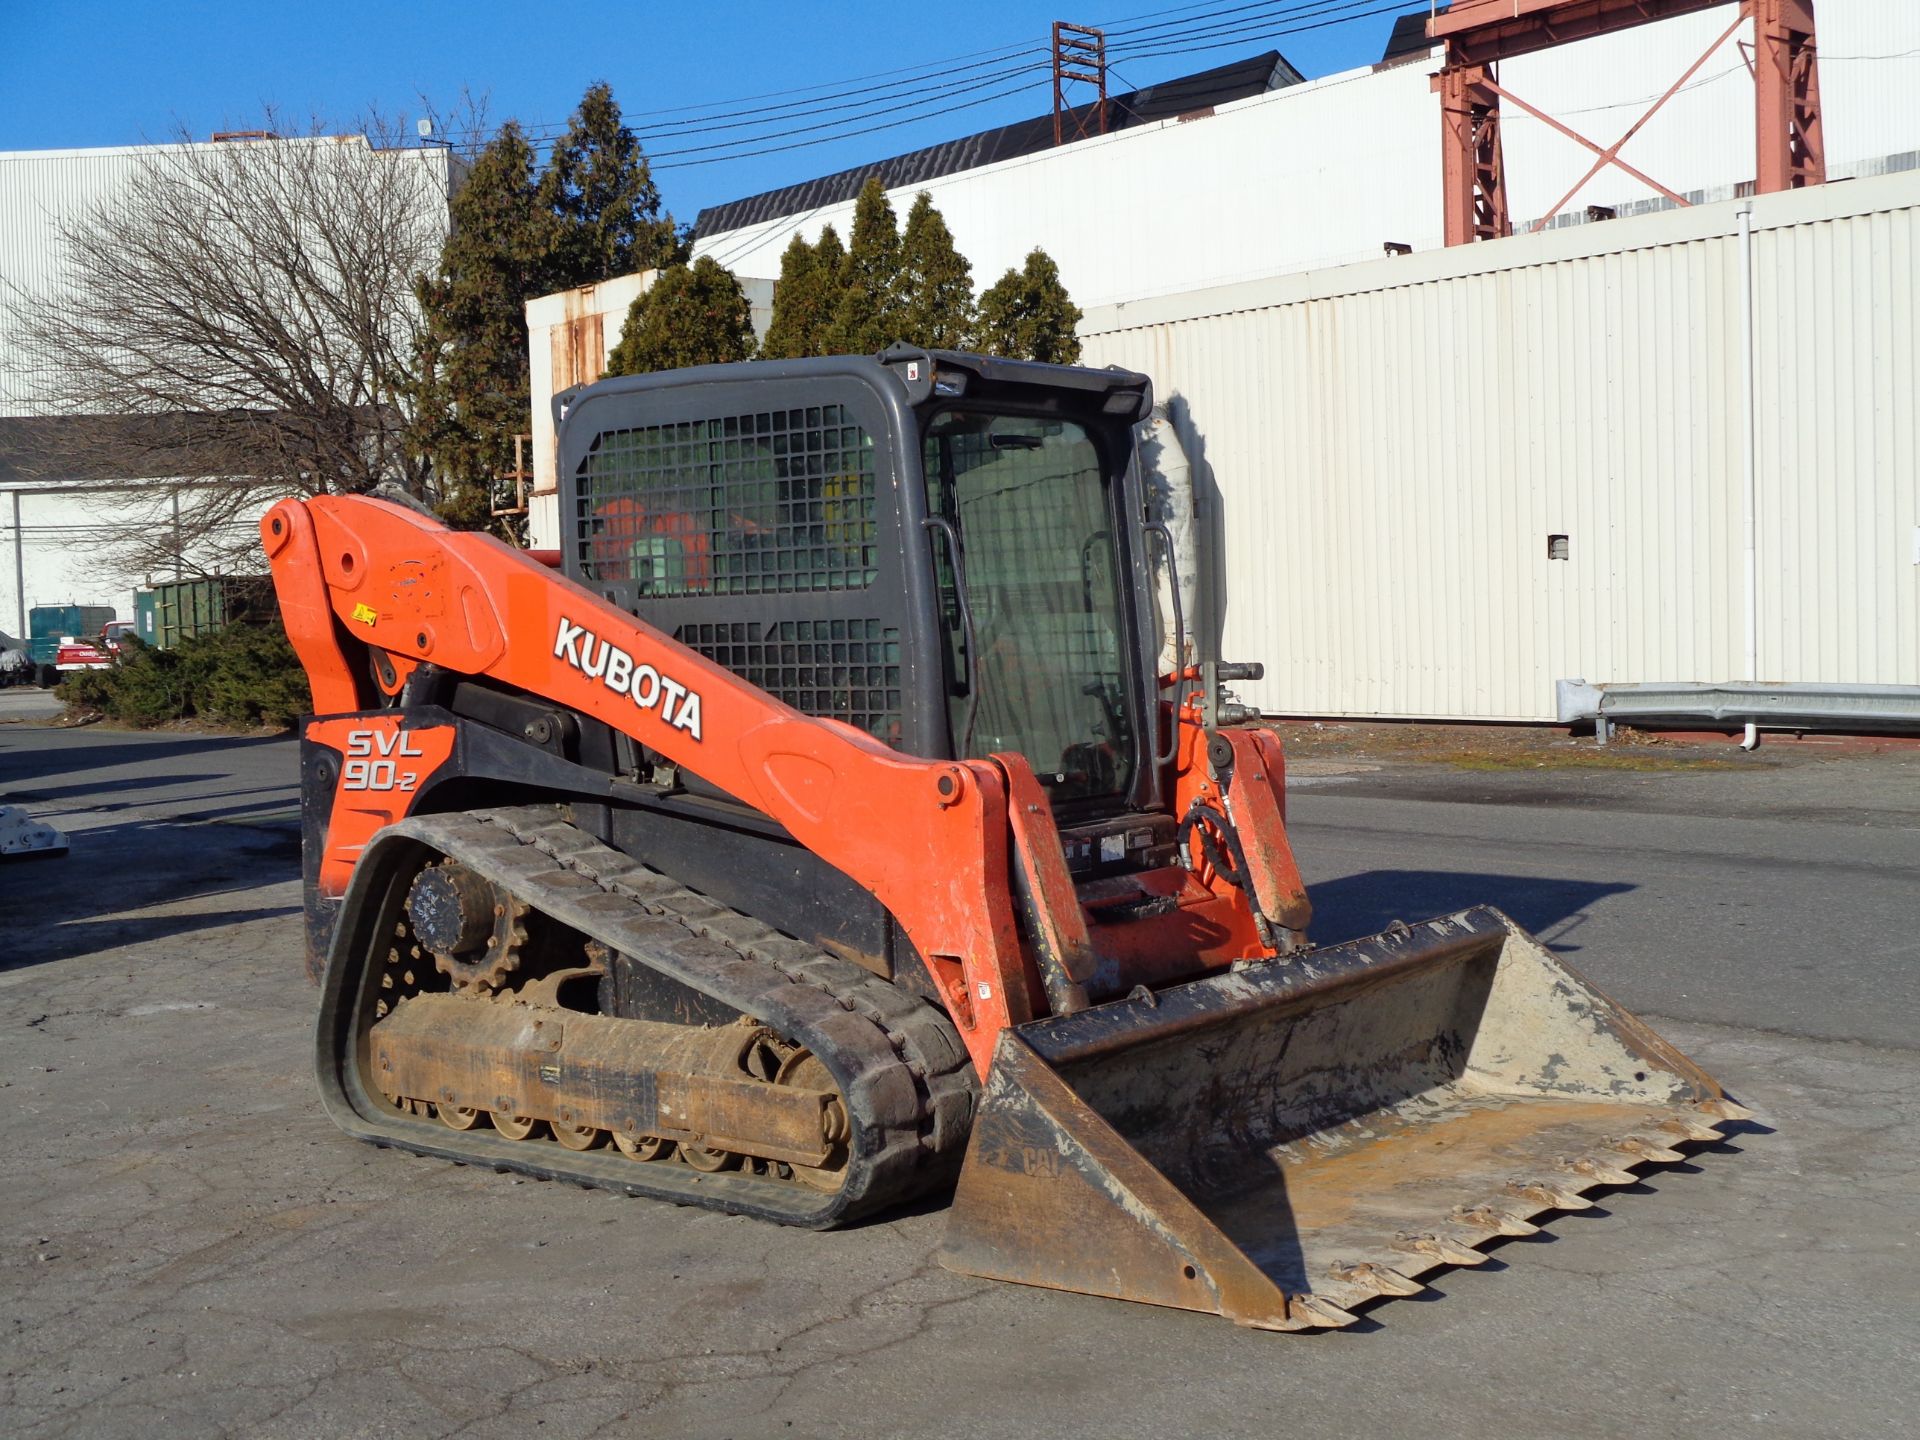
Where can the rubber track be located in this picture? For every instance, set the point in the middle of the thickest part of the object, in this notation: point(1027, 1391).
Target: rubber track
point(899, 1062)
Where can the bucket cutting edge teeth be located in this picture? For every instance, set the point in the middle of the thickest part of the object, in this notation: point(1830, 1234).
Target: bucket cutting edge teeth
point(1287, 1117)
point(1494, 1218)
point(1381, 1279)
point(1545, 1192)
point(1646, 1148)
point(1726, 1108)
point(1318, 1310)
point(1599, 1172)
point(1692, 1127)
point(1439, 1247)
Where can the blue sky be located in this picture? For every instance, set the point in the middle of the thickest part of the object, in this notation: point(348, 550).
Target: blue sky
point(82, 74)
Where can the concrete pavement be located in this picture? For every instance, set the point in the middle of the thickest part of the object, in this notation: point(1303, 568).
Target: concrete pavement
point(189, 1247)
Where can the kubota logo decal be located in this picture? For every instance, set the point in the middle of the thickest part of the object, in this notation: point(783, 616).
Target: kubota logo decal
point(606, 662)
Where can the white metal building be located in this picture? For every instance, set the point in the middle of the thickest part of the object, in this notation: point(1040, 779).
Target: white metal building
point(54, 529)
point(1385, 454)
point(1324, 173)
point(1389, 451)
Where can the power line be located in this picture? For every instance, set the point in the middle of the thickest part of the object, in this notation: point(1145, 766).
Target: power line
point(1184, 48)
point(935, 93)
point(931, 67)
point(865, 96)
point(710, 110)
point(911, 86)
point(872, 106)
point(847, 126)
point(1215, 17)
point(1284, 19)
point(857, 85)
point(1109, 26)
point(837, 114)
point(848, 134)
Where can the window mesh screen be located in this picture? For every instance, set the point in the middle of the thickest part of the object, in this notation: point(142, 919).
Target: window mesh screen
point(1050, 674)
point(848, 669)
point(773, 502)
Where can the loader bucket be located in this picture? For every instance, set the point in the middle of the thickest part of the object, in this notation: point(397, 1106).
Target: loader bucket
point(1284, 1142)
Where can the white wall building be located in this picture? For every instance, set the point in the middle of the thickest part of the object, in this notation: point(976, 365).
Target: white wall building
point(55, 529)
point(1324, 173)
point(1385, 453)
point(1385, 447)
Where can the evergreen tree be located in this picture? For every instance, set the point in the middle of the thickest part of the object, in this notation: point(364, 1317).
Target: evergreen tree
point(471, 370)
point(692, 315)
point(806, 298)
point(593, 214)
point(1028, 315)
point(830, 261)
point(600, 188)
point(794, 298)
point(869, 316)
point(936, 282)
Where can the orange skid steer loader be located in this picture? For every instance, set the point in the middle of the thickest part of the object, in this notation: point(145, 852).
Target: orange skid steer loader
point(822, 831)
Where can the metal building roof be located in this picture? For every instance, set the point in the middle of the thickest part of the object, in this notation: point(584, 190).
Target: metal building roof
point(1255, 75)
point(1409, 37)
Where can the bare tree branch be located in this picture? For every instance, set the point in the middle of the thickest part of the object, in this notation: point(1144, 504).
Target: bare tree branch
point(239, 320)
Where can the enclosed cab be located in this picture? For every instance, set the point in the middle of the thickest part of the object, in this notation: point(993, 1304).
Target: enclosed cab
point(945, 551)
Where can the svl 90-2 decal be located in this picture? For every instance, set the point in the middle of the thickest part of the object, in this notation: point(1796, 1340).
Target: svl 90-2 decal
point(384, 766)
point(379, 760)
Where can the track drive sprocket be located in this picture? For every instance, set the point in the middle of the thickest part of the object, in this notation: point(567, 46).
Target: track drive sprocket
point(474, 930)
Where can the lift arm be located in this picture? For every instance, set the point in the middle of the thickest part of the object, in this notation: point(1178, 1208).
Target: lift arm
point(928, 838)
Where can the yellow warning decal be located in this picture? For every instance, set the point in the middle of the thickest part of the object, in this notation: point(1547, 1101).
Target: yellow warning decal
point(365, 613)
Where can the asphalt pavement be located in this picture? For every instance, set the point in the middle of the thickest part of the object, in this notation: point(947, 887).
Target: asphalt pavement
point(187, 1246)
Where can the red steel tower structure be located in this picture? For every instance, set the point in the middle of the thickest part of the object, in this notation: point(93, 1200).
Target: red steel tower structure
point(1479, 34)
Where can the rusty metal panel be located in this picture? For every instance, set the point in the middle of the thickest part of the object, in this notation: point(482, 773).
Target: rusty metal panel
point(1383, 452)
point(579, 349)
point(570, 335)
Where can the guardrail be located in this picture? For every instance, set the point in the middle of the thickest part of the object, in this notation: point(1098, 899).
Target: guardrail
point(1780, 706)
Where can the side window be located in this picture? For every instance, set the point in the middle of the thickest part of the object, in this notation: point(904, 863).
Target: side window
point(773, 502)
point(1030, 503)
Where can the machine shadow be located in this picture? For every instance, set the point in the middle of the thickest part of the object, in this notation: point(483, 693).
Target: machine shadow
point(21, 762)
point(56, 910)
point(1210, 535)
point(1368, 901)
point(90, 790)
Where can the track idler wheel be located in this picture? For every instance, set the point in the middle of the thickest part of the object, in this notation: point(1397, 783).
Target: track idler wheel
point(575, 1137)
point(803, 1068)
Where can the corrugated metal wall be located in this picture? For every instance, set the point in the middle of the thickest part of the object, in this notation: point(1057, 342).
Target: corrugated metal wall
point(1382, 452)
point(40, 190)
